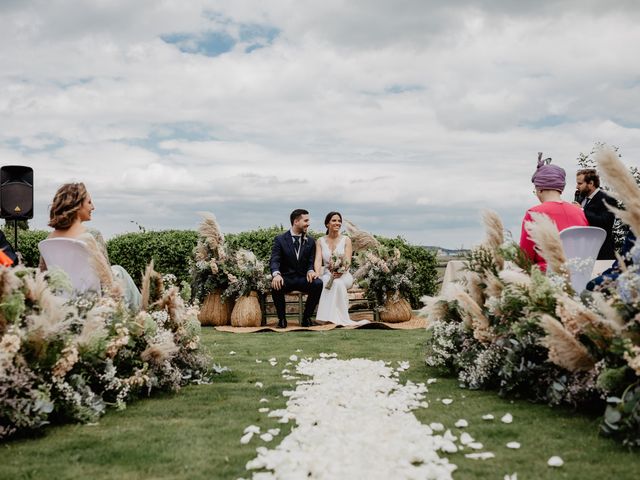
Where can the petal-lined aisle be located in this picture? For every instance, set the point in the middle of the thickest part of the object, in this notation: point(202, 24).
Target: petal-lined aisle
point(354, 420)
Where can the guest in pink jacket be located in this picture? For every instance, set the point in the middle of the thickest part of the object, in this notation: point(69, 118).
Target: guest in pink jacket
point(549, 182)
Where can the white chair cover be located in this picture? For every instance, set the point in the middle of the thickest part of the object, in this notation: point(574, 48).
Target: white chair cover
point(581, 246)
point(73, 257)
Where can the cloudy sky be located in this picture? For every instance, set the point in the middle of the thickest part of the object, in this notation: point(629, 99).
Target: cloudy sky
point(408, 116)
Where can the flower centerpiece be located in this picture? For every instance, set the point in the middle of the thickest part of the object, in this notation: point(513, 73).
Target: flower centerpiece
point(510, 327)
point(209, 278)
point(67, 360)
point(247, 278)
point(387, 280)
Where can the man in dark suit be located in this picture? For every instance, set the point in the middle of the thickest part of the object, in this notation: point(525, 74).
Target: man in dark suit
point(292, 259)
point(592, 200)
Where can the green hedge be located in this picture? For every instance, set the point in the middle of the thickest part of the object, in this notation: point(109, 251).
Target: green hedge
point(425, 264)
point(27, 244)
point(171, 251)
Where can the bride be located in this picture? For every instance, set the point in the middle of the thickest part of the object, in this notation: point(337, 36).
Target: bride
point(334, 302)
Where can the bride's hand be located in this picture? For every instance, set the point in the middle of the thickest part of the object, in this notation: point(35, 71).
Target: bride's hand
point(337, 274)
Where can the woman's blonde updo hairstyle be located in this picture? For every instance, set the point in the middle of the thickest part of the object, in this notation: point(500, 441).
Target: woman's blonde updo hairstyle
point(66, 203)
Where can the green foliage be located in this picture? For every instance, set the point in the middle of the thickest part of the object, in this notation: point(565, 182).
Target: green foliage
point(27, 244)
point(424, 264)
point(170, 250)
point(622, 417)
point(259, 241)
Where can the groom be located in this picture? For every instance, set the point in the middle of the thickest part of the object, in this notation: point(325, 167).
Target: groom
point(291, 265)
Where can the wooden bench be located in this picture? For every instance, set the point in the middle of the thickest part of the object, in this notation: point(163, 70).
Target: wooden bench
point(294, 305)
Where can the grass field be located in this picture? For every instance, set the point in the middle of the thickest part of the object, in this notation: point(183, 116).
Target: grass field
point(195, 433)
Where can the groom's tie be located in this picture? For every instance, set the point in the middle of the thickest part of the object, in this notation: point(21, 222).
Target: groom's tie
point(296, 245)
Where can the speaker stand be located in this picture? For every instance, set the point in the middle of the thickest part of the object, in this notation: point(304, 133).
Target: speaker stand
point(15, 236)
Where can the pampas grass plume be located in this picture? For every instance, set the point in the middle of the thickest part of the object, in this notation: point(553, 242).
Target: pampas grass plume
point(515, 277)
point(210, 230)
point(618, 177)
point(494, 285)
point(495, 235)
point(98, 261)
point(473, 316)
point(546, 237)
point(564, 349)
point(146, 286)
point(361, 240)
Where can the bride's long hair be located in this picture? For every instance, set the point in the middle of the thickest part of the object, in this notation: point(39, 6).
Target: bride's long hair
point(327, 219)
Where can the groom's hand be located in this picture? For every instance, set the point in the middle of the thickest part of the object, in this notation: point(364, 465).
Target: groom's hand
point(277, 282)
point(311, 275)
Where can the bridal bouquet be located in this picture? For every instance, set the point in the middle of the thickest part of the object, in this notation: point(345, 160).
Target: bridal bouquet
point(337, 264)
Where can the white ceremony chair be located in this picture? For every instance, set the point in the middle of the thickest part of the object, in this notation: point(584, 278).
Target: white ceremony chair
point(73, 257)
point(581, 246)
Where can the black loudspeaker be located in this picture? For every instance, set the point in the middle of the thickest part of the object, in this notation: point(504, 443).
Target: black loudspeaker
point(16, 192)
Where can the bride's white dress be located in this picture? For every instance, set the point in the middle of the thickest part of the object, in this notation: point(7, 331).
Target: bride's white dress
point(334, 303)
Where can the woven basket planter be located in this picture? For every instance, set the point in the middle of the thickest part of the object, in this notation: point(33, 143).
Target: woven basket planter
point(396, 311)
point(246, 312)
point(215, 312)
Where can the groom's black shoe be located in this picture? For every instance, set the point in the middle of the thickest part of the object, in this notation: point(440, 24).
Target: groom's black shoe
point(307, 322)
point(282, 323)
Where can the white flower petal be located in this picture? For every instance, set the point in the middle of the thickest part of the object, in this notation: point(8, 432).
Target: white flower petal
point(267, 437)
point(480, 456)
point(246, 438)
point(488, 416)
point(447, 401)
point(437, 427)
point(514, 445)
point(232, 352)
point(263, 410)
point(555, 461)
point(252, 429)
point(507, 418)
point(465, 438)
point(293, 358)
point(462, 423)
point(259, 384)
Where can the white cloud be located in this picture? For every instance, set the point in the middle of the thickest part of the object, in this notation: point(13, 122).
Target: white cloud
point(409, 116)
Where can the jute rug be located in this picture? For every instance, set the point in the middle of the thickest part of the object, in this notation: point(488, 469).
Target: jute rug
point(293, 326)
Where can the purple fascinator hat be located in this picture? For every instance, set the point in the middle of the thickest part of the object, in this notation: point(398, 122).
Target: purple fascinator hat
point(547, 176)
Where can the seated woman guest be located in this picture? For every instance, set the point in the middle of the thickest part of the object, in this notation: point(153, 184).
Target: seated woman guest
point(549, 182)
point(72, 205)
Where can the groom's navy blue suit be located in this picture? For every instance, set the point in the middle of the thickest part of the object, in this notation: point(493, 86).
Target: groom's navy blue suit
point(294, 271)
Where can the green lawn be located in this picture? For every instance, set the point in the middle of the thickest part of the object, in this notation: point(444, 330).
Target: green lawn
point(195, 434)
